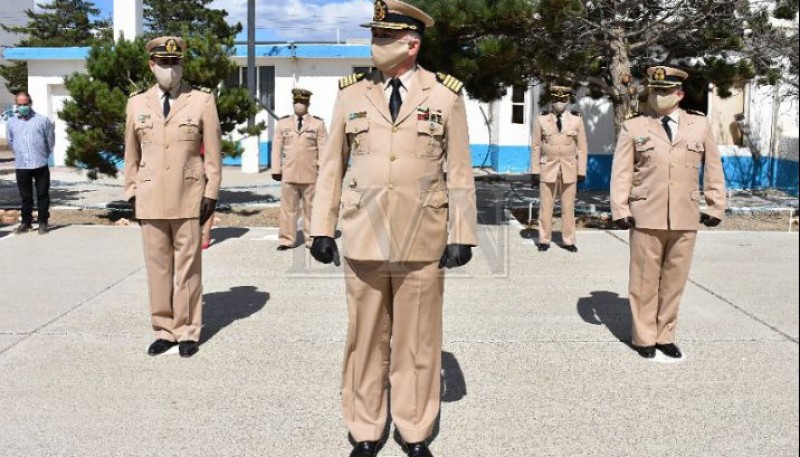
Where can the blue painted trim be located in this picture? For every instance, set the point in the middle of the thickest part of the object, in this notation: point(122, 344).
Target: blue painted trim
point(741, 172)
point(312, 51)
point(81, 53)
point(264, 154)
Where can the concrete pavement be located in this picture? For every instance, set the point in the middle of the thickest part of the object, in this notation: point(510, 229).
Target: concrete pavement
point(533, 361)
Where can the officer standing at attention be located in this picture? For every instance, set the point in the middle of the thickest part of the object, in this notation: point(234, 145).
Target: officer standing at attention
point(295, 153)
point(170, 187)
point(393, 133)
point(656, 193)
point(558, 161)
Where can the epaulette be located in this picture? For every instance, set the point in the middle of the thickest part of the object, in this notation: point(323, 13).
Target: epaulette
point(545, 113)
point(285, 117)
point(135, 93)
point(203, 89)
point(350, 80)
point(633, 116)
point(450, 82)
point(576, 113)
point(695, 112)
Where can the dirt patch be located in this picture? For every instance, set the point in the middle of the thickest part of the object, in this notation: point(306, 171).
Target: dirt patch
point(265, 217)
point(766, 223)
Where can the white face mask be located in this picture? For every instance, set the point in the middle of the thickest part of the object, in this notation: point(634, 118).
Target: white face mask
point(664, 104)
point(168, 77)
point(389, 53)
point(560, 107)
point(300, 109)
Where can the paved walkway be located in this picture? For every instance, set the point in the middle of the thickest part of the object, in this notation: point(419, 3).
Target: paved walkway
point(533, 363)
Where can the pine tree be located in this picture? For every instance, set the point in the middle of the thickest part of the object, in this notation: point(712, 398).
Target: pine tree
point(606, 45)
point(59, 23)
point(95, 115)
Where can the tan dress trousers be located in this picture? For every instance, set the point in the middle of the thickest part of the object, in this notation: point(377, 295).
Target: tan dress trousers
point(660, 263)
point(394, 338)
point(291, 197)
point(547, 195)
point(174, 277)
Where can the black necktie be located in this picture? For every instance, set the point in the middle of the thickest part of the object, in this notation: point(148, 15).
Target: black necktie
point(299, 123)
point(665, 122)
point(559, 124)
point(395, 101)
point(166, 105)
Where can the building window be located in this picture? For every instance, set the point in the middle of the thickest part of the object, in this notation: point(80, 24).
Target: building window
point(265, 83)
point(266, 86)
point(518, 95)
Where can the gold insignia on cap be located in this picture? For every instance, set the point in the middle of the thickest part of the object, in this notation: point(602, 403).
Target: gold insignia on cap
point(171, 46)
point(660, 74)
point(380, 11)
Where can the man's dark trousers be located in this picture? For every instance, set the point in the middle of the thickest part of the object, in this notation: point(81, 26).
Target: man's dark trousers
point(25, 181)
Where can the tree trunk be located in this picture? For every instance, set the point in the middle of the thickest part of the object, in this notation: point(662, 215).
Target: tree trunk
point(621, 80)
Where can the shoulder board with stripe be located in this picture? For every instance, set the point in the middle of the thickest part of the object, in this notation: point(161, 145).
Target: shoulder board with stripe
point(450, 82)
point(137, 92)
point(203, 89)
point(350, 80)
point(695, 112)
point(286, 117)
point(318, 118)
point(576, 113)
point(633, 116)
point(545, 113)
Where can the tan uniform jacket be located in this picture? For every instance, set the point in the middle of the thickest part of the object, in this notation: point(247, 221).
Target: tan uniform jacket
point(658, 182)
point(396, 204)
point(295, 154)
point(163, 167)
point(554, 151)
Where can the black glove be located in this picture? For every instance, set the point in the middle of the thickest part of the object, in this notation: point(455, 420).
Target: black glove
point(132, 201)
point(535, 180)
point(207, 207)
point(626, 223)
point(581, 178)
point(709, 221)
point(455, 255)
point(278, 177)
point(325, 251)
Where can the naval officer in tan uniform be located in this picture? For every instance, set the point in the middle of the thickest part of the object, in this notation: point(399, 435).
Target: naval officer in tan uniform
point(173, 191)
point(558, 162)
point(382, 173)
point(295, 153)
point(656, 193)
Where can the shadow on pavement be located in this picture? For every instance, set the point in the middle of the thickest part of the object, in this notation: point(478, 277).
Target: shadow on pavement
point(454, 386)
point(608, 309)
point(221, 309)
point(223, 234)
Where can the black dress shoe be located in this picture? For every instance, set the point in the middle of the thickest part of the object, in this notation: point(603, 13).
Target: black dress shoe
point(160, 347)
point(23, 228)
point(648, 352)
point(43, 229)
point(365, 449)
point(543, 247)
point(188, 348)
point(571, 247)
point(284, 248)
point(417, 450)
point(670, 350)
